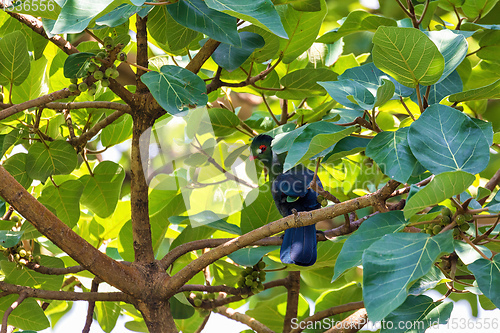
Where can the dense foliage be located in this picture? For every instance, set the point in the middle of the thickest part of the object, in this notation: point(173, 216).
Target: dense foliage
point(124, 132)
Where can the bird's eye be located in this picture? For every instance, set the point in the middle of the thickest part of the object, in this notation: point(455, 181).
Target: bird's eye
point(262, 148)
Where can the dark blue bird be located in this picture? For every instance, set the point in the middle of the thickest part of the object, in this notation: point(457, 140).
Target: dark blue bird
point(290, 191)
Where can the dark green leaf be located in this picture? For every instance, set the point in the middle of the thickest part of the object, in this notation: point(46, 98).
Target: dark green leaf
point(180, 310)
point(249, 256)
point(450, 85)
point(76, 15)
point(14, 59)
point(102, 190)
point(301, 83)
point(206, 218)
point(487, 273)
point(370, 231)
point(55, 158)
point(231, 57)
point(16, 166)
point(175, 87)
point(447, 135)
point(347, 146)
point(269, 50)
point(75, 65)
point(388, 271)
point(408, 55)
point(258, 12)
point(195, 14)
point(393, 155)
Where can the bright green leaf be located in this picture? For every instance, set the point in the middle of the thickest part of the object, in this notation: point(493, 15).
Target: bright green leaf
point(301, 83)
point(14, 59)
point(490, 91)
point(55, 158)
point(223, 121)
point(65, 199)
point(117, 132)
point(27, 316)
point(16, 166)
point(261, 211)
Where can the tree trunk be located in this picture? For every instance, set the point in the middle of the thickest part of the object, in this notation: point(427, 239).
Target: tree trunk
point(157, 316)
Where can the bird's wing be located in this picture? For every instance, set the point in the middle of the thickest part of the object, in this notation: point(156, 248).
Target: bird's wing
point(294, 183)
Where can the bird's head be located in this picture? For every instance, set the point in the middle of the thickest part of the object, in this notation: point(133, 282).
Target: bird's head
point(261, 149)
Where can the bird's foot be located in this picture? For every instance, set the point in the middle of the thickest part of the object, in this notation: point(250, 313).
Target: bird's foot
point(294, 211)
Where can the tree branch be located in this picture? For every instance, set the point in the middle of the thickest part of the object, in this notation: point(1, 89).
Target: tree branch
point(89, 104)
point(142, 53)
point(254, 324)
point(170, 285)
point(82, 139)
point(329, 312)
point(490, 185)
point(90, 310)
point(11, 308)
point(54, 270)
point(65, 295)
point(115, 273)
point(36, 25)
point(202, 56)
point(351, 324)
point(292, 304)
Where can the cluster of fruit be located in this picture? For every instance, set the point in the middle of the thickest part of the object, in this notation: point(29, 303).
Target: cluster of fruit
point(95, 69)
point(253, 277)
point(322, 200)
point(20, 255)
point(445, 218)
point(199, 297)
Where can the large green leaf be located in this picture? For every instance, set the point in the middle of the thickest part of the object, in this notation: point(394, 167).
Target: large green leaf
point(487, 273)
point(351, 292)
point(29, 278)
point(442, 187)
point(175, 87)
point(34, 86)
point(452, 46)
point(107, 315)
point(301, 83)
point(119, 15)
point(9, 238)
point(223, 121)
point(102, 189)
point(76, 15)
point(65, 199)
point(75, 65)
point(231, 57)
point(347, 146)
point(249, 256)
point(269, 50)
point(52, 158)
point(167, 32)
point(117, 132)
point(258, 12)
point(196, 15)
point(301, 27)
point(490, 91)
point(302, 5)
point(477, 8)
point(260, 211)
point(312, 140)
point(421, 312)
point(357, 20)
point(369, 232)
point(393, 155)
point(392, 263)
point(408, 55)
point(444, 139)
point(27, 316)
point(14, 59)
point(16, 166)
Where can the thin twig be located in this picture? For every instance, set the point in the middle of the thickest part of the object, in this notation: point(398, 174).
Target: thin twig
point(90, 310)
point(19, 300)
point(254, 324)
point(269, 109)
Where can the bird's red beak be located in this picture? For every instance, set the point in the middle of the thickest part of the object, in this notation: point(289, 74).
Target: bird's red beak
point(251, 157)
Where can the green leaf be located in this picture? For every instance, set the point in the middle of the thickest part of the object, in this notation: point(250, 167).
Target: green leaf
point(301, 83)
point(16, 166)
point(312, 140)
point(347, 146)
point(35, 84)
point(175, 87)
point(302, 5)
point(223, 121)
point(442, 187)
point(27, 316)
point(29, 278)
point(490, 91)
point(408, 55)
point(117, 132)
point(14, 59)
point(393, 155)
point(102, 190)
point(477, 8)
point(356, 21)
point(271, 312)
point(75, 65)
point(452, 46)
point(487, 275)
point(195, 15)
point(56, 158)
point(76, 15)
point(468, 254)
point(450, 85)
point(9, 238)
point(384, 92)
point(301, 28)
point(388, 270)
point(269, 50)
point(249, 256)
point(351, 292)
point(427, 282)
point(350, 94)
point(260, 211)
point(181, 310)
point(421, 312)
point(231, 57)
point(119, 15)
point(65, 199)
point(258, 12)
point(190, 234)
point(369, 232)
point(167, 32)
point(206, 218)
point(444, 139)
point(107, 315)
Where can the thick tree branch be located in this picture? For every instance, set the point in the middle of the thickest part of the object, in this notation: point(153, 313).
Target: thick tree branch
point(254, 324)
point(89, 104)
point(328, 313)
point(202, 56)
point(65, 295)
point(115, 273)
point(351, 324)
point(36, 25)
point(292, 304)
point(378, 198)
point(142, 52)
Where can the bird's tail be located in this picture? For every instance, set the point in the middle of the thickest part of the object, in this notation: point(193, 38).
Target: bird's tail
point(299, 246)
